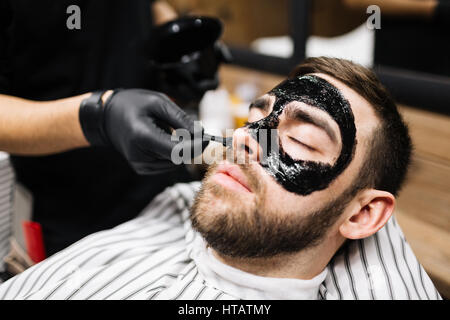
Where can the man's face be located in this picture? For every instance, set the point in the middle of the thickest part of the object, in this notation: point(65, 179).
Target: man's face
point(243, 211)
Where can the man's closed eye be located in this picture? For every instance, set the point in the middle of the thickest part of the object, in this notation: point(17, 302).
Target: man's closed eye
point(302, 144)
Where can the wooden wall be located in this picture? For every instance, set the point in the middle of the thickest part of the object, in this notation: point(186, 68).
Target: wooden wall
point(244, 21)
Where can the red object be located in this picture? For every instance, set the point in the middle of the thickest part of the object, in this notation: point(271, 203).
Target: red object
point(34, 240)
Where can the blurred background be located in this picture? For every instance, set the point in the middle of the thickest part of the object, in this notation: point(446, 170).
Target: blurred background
point(410, 52)
point(406, 42)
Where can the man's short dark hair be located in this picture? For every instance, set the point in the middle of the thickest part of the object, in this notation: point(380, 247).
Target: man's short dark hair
point(389, 155)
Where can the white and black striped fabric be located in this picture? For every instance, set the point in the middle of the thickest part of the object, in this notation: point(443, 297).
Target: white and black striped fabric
point(149, 257)
point(6, 192)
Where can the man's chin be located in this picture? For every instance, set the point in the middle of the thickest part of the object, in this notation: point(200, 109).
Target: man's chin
point(215, 200)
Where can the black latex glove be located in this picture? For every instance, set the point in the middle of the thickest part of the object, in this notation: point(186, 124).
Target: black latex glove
point(136, 122)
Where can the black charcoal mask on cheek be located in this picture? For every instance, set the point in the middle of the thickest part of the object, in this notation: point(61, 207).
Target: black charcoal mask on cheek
point(303, 176)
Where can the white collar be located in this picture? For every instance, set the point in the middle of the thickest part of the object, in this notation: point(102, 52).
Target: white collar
point(248, 286)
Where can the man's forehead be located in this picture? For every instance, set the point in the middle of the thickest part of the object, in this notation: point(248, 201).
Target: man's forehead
point(343, 89)
point(333, 83)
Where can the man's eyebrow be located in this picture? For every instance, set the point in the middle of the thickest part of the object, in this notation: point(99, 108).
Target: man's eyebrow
point(299, 114)
point(262, 103)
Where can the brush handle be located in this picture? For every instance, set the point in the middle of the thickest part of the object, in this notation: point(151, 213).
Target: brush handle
point(226, 141)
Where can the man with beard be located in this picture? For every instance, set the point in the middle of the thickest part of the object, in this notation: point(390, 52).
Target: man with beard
point(300, 217)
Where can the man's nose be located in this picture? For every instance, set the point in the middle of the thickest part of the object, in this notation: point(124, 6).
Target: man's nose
point(246, 148)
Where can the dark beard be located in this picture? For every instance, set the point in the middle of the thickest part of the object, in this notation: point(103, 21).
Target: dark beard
point(245, 230)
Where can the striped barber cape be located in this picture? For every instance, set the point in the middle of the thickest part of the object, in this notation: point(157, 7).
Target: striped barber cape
point(6, 198)
point(151, 257)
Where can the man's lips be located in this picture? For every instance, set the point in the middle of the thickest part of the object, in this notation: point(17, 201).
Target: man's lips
point(231, 176)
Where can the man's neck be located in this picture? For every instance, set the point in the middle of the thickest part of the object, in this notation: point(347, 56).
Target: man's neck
point(304, 265)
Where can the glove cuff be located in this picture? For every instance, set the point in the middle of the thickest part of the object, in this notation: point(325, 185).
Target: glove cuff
point(91, 119)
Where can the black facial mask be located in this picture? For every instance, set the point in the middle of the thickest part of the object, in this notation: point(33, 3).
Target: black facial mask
point(301, 176)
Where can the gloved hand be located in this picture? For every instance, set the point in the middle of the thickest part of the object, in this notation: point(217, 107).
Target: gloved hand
point(136, 123)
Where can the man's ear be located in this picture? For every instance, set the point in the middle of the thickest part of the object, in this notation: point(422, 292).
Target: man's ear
point(374, 209)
